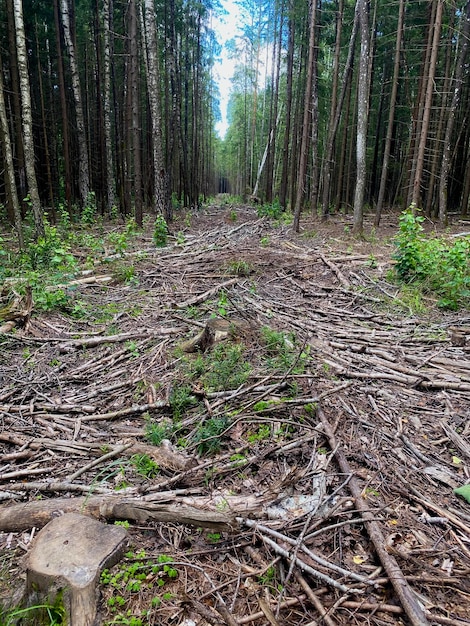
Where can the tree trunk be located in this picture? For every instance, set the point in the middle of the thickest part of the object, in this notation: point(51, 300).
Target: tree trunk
point(27, 119)
point(432, 195)
point(416, 197)
point(135, 117)
point(107, 48)
point(457, 91)
point(45, 131)
point(362, 116)
point(153, 81)
point(63, 108)
point(287, 139)
point(334, 123)
point(83, 169)
point(15, 88)
point(391, 113)
point(274, 117)
point(10, 184)
point(307, 117)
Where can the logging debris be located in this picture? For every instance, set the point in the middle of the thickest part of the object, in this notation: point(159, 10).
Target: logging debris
point(357, 441)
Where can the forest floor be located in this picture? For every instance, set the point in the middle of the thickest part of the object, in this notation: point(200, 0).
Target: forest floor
point(280, 424)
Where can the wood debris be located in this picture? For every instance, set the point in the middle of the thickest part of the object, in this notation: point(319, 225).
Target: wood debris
point(380, 408)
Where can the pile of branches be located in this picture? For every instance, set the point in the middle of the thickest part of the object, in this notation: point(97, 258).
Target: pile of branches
point(347, 513)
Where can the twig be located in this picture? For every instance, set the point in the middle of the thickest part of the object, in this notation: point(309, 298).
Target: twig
point(437, 509)
point(90, 342)
point(123, 412)
point(294, 542)
point(207, 294)
point(98, 461)
point(402, 589)
point(315, 600)
point(334, 268)
point(283, 605)
point(26, 472)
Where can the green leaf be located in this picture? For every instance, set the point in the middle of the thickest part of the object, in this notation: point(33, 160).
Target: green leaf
point(464, 492)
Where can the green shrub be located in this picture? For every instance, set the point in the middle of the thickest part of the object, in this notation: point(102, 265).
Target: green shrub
point(160, 232)
point(208, 435)
point(436, 264)
point(273, 210)
point(280, 350)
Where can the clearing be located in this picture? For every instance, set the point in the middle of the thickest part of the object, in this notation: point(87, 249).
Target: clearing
point(282, 429)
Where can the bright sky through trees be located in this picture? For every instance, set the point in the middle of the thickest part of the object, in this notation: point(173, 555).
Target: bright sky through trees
point(225, 28)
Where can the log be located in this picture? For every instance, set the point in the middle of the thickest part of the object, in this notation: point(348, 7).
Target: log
point(167, 507)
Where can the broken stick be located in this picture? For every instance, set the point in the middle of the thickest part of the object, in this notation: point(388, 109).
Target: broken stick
point(404, 592)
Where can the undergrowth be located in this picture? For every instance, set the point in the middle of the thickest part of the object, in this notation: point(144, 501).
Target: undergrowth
point(437, 265)
point(46, 264)
point(136, 588)
point(225, 367)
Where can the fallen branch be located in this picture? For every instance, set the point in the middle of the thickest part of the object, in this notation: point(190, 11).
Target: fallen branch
point(335, 269)
point(403, 590)
point(207, 294)
point(91, 342)
point(193, 511)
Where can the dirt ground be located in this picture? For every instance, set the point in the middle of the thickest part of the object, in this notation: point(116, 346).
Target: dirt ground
point(326, 497)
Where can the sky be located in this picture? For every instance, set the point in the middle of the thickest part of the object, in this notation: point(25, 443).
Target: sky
point(225, 28)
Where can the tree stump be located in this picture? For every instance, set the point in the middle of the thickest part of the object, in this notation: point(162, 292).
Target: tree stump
point(67, 558)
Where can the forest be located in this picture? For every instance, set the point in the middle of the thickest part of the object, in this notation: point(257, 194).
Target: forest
point(335, 107)
point(234, 369)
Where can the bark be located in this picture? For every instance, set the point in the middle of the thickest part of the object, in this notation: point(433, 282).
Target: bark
point(416, 197)
point(153, 81)
point(107, 113)
point(458, 84)
point(27, 120)
point(83, 169)
point(134, 105)
point(362, 116)
point(334, 123)
point(391, 113)
point(307, 117)
point(285, 149)
point(10, 184)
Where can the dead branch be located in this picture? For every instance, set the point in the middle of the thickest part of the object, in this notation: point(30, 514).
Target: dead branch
point(207, 294)
point(334, 268)
point(402, 589)
point(91, 342)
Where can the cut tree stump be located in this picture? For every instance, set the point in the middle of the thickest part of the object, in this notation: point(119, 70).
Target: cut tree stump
point(67, 559)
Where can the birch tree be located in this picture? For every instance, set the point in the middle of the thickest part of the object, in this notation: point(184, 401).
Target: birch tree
point(27, 119)
point(10, 184)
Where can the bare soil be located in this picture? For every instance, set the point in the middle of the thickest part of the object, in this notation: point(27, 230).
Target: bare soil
point(366, 429)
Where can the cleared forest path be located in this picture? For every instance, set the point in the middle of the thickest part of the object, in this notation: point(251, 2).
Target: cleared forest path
point(286, 375)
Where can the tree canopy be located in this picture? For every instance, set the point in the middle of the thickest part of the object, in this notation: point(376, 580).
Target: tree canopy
point(334, 105)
